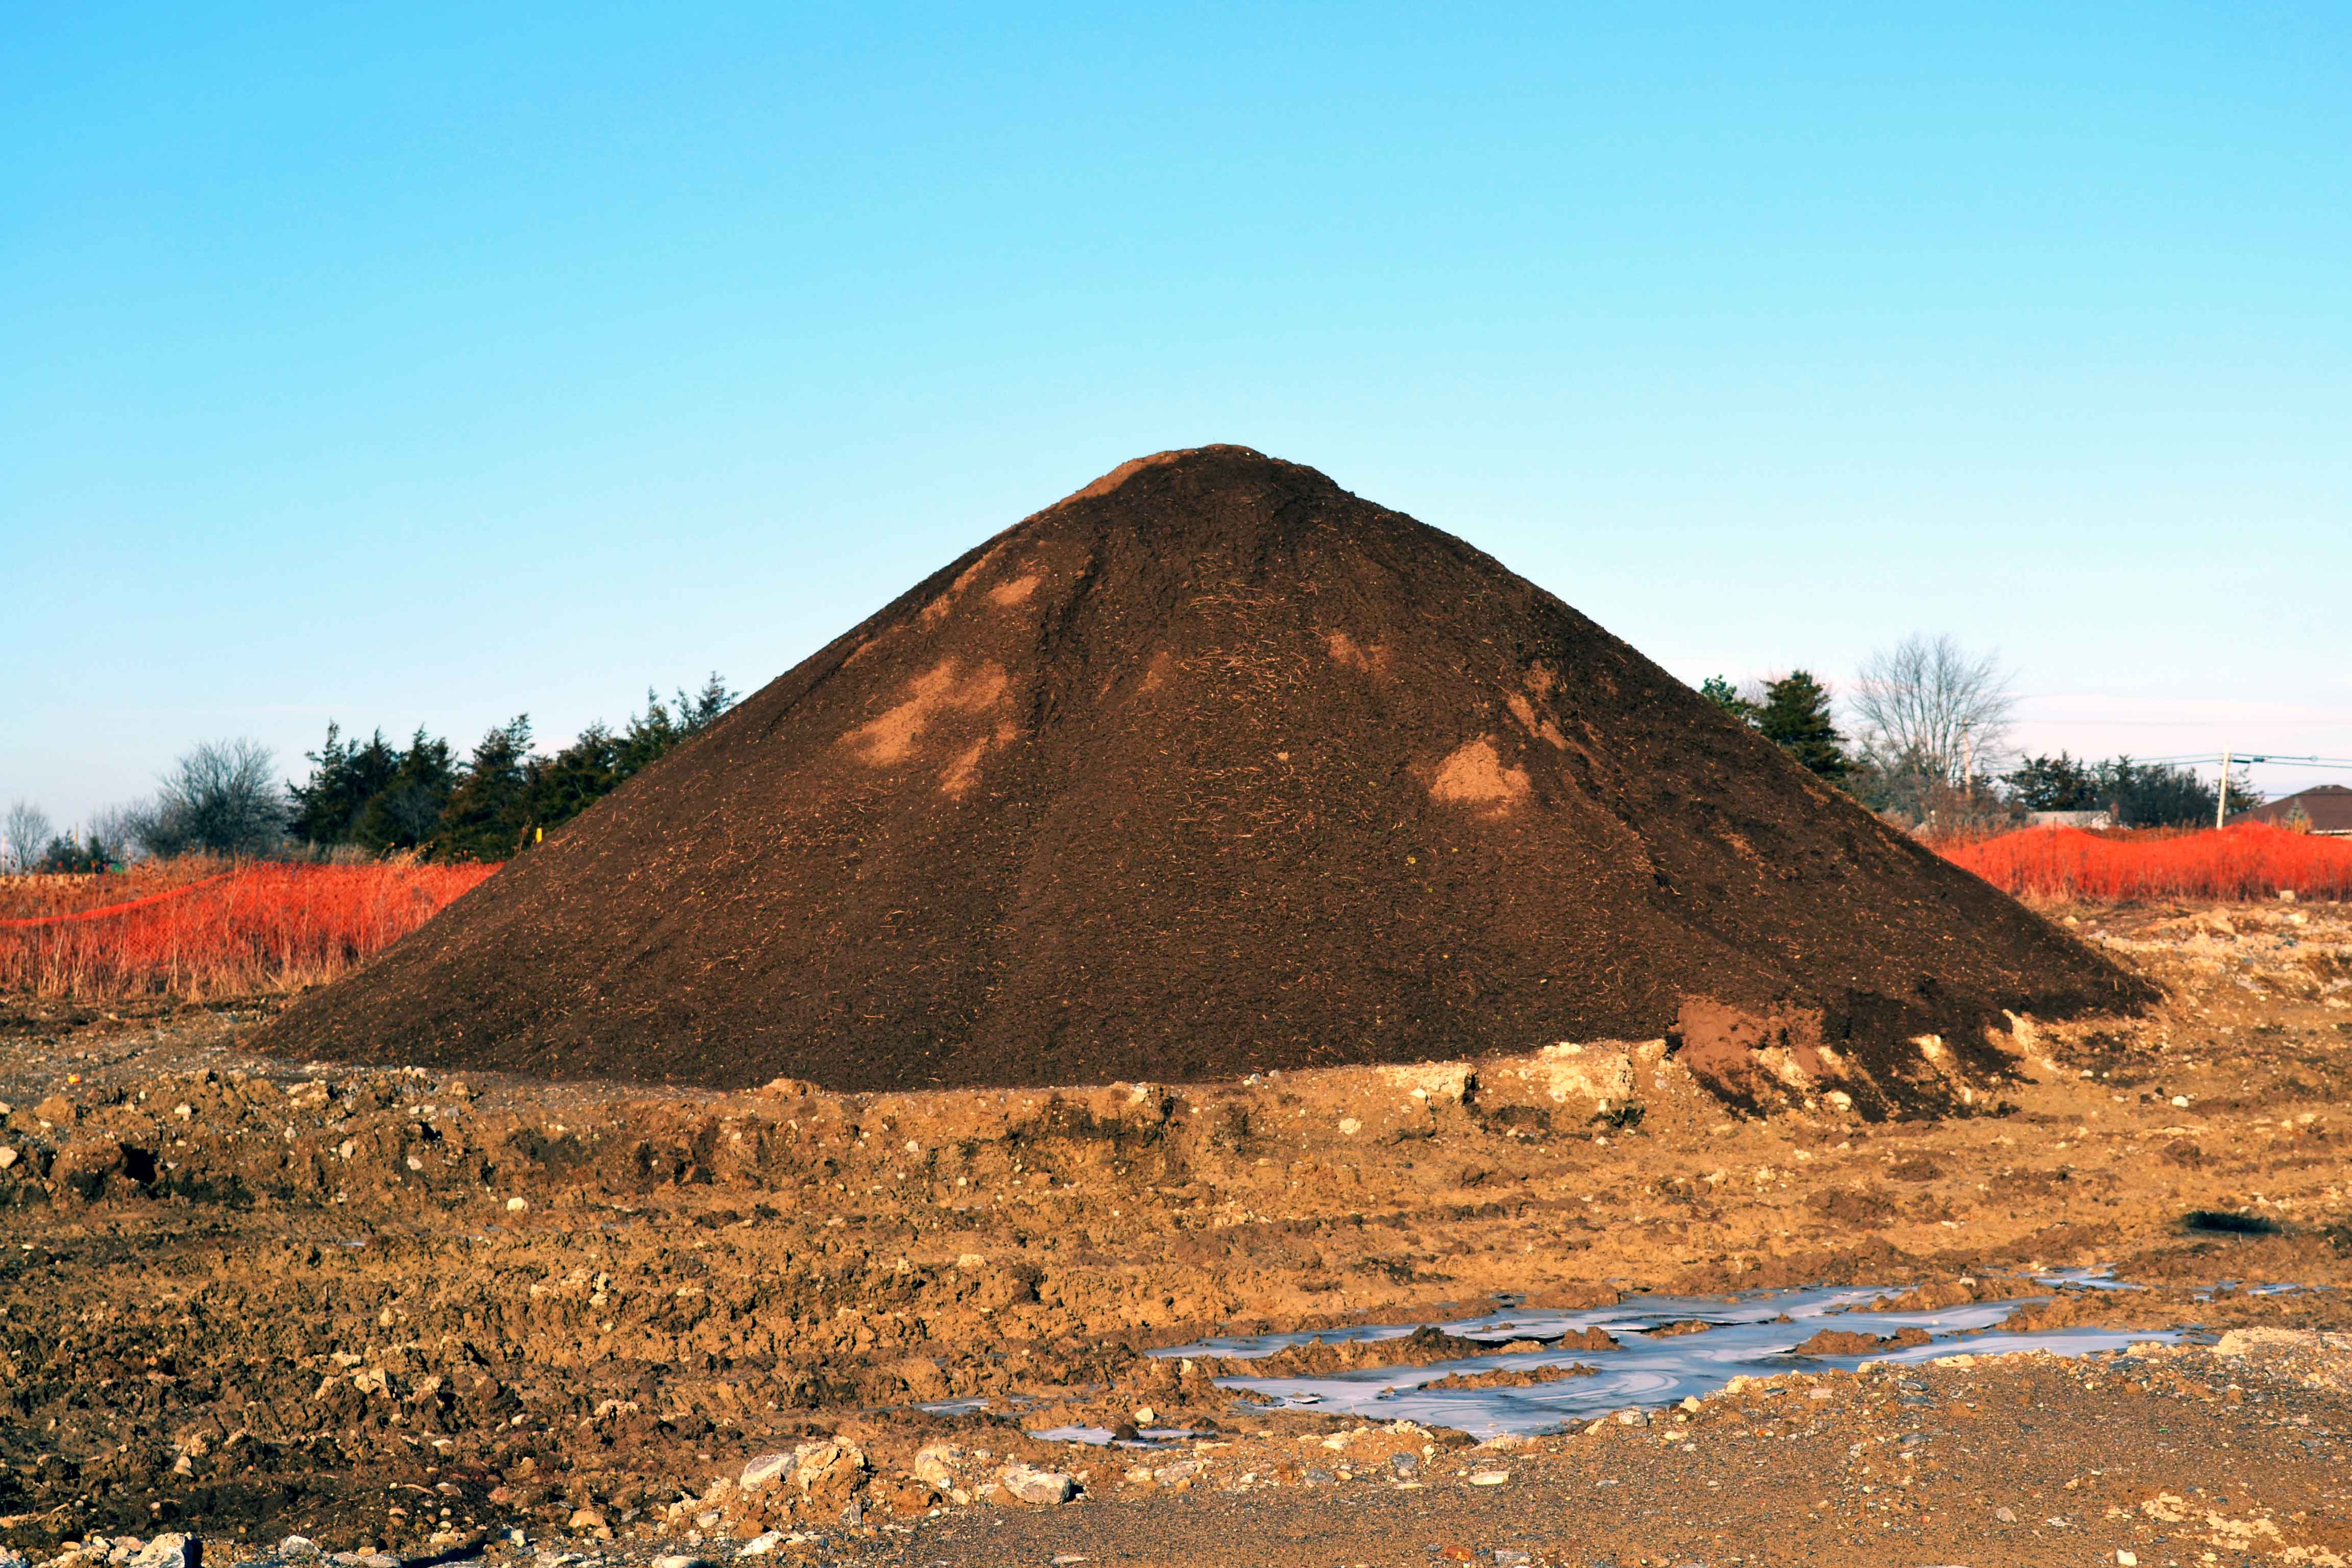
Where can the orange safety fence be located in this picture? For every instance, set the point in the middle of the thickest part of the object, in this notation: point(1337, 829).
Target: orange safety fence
point(2251, 861)
point(103, 910)
point(260, 927)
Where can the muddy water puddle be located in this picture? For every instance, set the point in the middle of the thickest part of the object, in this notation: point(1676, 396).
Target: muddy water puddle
point(1755, 1335)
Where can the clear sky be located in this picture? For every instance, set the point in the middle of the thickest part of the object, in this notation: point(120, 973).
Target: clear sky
point(423, 364)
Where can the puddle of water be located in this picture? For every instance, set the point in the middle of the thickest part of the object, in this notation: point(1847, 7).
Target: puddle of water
point(2237, 1287)
point(954, 1406)
point(1753, 1336)
point(1100, 1437)
point(2101, 1278)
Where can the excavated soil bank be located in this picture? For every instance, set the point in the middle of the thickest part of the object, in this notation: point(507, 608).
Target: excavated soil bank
point(1211, 768)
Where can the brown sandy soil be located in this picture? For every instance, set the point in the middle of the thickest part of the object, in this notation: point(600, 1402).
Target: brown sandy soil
point(391, 1309)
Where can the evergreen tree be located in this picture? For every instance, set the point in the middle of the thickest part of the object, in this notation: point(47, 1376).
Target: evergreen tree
point(484, 817)
point(344, 776)
point(1795, 716)
point(406, 812)
point(599, 761)
point(2053, 784)
point(2159, 794)
point(1721, 692)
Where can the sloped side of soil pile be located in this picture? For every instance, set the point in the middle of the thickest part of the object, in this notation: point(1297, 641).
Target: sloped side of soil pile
point(1210, 768)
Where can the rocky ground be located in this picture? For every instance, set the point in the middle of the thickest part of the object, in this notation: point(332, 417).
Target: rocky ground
point(410, 1316)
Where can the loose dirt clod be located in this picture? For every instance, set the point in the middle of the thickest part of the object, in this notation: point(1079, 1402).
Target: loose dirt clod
point(1213, 768)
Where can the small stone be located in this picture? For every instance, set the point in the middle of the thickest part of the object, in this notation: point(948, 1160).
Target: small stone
point(586, 1519)
point(297, 1546)
point(679, 1560)
point(57, 1110)
point(1145, 1415)
point(1403, 1464)
point(2004, 1515)
point(1489, 1477)
point(762, 1544)
point(1042, 1488)
point(2127, 1559)
point(516, 1206)
point(8, 1158)
point(1349, 1126)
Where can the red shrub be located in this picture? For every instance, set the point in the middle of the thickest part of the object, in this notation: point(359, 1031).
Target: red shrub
point(2253, 860)
point(211, 929)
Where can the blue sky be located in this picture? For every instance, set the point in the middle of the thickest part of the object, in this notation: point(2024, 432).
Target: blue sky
point(424, 365)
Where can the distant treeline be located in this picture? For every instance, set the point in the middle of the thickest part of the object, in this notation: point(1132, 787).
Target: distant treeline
point(364, 797)
point(2139, 795)
point(1927, 769)
point(382, 798)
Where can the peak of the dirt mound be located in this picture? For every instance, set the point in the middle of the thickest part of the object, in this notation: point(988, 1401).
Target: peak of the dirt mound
point(1208, 767)
point(1220, 460)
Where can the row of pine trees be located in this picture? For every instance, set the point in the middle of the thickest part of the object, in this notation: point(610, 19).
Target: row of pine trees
point(382, 798)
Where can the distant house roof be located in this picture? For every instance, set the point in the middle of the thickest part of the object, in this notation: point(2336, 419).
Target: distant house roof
point(2329, 807)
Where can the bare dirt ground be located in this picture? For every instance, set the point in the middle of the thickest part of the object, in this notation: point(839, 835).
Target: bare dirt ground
point(410, 1315)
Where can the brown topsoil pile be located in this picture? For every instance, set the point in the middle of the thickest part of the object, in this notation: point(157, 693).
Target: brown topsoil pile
point(1211, 767)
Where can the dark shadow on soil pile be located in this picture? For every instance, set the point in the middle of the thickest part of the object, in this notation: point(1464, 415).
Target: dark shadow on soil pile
point(1211, 767)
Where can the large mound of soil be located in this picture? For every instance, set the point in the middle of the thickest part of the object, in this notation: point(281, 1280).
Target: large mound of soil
point(1211, 767)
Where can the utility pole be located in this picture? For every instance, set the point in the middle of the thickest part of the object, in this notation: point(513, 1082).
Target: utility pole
point(2221, 810)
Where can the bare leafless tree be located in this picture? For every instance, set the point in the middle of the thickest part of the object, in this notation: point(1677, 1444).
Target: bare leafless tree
point(221, 797)
point(1932, 709)
point(26, 831)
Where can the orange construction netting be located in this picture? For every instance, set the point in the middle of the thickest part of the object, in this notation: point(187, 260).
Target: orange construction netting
point(2253, 860)
point(259, 927)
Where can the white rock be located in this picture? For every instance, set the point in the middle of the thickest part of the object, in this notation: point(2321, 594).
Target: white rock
point(936, 1464)
point(1574, 1073)
point(1043, 1488)
point(680, 1561)
point(516, 1206)
point(1448, 1081)
point(814, 1463)
point(170, 1551)
point(8, 1158)
point(1489, 1479)
point(758, 1472)
point(761, 1546)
